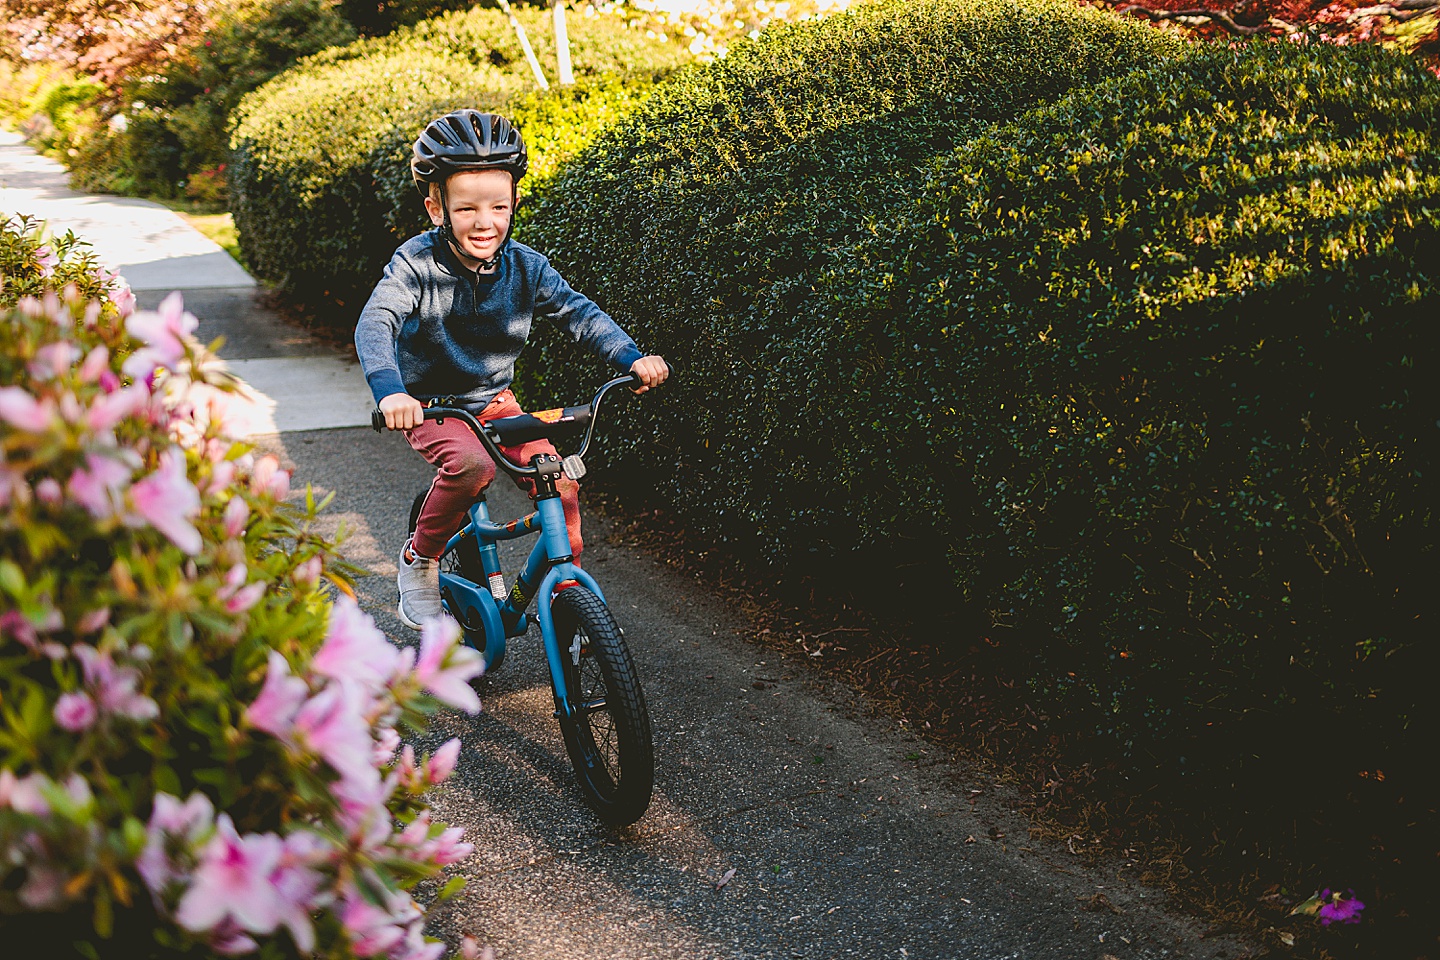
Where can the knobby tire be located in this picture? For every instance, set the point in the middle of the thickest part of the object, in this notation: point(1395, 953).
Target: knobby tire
point(610, 745)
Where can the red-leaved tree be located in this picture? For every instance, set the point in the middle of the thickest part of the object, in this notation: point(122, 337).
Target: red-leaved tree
point(106, 39)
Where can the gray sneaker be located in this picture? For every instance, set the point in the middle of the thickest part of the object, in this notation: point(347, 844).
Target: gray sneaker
point(419, 590)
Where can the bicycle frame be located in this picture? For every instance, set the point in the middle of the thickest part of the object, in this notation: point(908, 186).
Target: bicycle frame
point(549, 562)
point(487, 609)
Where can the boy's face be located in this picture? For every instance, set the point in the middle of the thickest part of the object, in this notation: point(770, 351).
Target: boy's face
point(480, 210)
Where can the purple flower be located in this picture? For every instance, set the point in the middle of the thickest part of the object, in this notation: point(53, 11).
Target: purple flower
point(233, 882)
point(74, 712)
point(280, 699)
point(445, 668)
point(354, 648)
point(167, 500)
point(93, 622)
point(1340, 909)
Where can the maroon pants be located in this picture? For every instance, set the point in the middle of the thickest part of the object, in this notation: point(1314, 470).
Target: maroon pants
point(464, 470)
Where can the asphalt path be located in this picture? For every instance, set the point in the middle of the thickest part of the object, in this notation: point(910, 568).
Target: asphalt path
point(848, 835)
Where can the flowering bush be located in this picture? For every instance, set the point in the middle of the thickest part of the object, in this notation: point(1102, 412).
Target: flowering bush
point(199, 749)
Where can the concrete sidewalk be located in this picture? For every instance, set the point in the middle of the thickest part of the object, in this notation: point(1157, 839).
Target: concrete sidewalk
point(292, 381)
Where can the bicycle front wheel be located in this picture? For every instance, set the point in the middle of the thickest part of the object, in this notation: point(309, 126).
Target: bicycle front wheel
point(608, 732)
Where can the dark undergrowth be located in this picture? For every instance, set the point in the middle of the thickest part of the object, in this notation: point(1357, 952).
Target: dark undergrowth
point(1240, 855)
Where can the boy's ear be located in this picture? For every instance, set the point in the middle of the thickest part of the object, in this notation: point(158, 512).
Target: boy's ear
point(433, 208)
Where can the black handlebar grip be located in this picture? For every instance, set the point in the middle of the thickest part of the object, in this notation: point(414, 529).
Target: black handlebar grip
point(377, 421)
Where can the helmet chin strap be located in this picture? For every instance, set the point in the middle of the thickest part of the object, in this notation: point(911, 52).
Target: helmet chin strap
point(447, 230)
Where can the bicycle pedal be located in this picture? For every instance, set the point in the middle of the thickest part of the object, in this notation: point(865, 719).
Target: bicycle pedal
point(574, 467)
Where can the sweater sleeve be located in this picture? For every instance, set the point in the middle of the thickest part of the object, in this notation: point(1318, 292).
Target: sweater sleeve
point(393, 301)
point(583, 319)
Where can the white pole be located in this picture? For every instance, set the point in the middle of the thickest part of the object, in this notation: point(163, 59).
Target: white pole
point(525, 45)
point(562, 43)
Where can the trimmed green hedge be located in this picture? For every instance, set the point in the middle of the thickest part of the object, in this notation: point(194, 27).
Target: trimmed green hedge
point(1150, 373)
point(703, 222)
point(320, 179)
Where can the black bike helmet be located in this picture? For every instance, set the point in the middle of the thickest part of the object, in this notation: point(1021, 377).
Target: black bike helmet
point(467, 140)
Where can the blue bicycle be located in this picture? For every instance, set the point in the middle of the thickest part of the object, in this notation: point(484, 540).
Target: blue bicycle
point(598, 699)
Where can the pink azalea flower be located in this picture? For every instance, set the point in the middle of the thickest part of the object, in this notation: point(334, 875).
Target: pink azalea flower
point(114, 686)
point(23, 411)
point(280, 699)
point(93, 622)
point(47, 260)
point(23, 795)
point(74, 712)
point(164, 332)
point(298, 888)
point(445, 668)
point(355, 648)
point(246, 597)
point(167, 500)
point(385, 746)
point(269, 478)
point(448, 848)
point(442, 763)
point(416, 948)
point(49, 492)
point(97, 361)
point(307, 574)
point(44, 887)
point(172, 824)
point(233, 882)
point(331, 724)
point(99, 485)
point(53, 359)
point(220, 477)
point(237, 511)
point(110, 408)
point(409, 774)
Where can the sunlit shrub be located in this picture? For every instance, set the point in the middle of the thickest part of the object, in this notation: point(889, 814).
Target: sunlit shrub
point(320, 178)
point(199, 749)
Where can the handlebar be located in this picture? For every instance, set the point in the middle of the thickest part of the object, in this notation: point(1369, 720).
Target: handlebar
point(513, 431)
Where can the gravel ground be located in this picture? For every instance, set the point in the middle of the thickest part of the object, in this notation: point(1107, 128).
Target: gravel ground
point(847, 835)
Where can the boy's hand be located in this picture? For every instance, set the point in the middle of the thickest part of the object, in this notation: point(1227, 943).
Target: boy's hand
point(403, 412)
point(652, 372)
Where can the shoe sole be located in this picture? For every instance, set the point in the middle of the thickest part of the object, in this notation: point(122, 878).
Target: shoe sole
point(400, 612)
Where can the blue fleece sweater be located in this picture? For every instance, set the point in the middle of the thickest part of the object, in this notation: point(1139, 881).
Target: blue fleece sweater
point(433, 329)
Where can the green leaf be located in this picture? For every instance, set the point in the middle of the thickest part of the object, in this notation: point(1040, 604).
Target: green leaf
point(12, 579)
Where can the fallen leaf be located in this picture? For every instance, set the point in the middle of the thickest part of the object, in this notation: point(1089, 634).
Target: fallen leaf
point(1288, 939)
point(970, 839)
point(725, 878)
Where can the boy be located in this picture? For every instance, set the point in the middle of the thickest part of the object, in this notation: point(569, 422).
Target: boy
point(448, 320)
